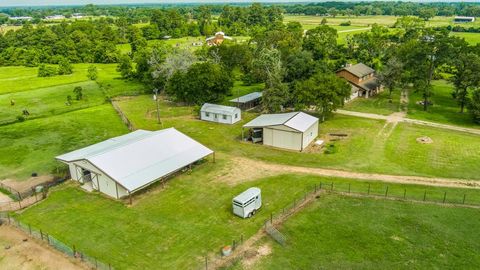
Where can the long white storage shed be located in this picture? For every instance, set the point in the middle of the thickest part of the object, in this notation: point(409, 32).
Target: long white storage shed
point(123, 165)
point(293, 131)
point(220, 113)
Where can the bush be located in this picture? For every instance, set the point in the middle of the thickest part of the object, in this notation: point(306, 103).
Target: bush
point(347, 23)
point(46, 71)
point(20, 118)
point(92, 73)
point(64, 67)
point(331, 149)
point(78, 92)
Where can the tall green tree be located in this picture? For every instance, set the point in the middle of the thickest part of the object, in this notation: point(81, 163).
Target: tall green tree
point(466, 77)
point(125, 67)
point(324, 92)
point(391, 75)
point(474, 105)
point(321, 41)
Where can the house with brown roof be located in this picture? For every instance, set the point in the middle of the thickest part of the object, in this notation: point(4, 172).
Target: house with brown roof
point(363, 80)
point(217, 39)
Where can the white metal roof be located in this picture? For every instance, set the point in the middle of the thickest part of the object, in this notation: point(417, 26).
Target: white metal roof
point(247, 98)
point(297, 120)
point(247, 195)
point(215, 108)
point(139, 158)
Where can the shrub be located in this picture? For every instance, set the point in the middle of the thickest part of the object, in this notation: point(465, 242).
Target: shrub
point(347, 23)
point(78, 92)
point(92, 72)
point(46, 71)
point(331, 149)
point(20, 118)
point(64, 67)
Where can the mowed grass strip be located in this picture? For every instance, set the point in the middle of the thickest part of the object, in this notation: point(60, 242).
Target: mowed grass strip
point(369, 147)
point(379, 104)
point(359, 233)
point(471, 38)
point(49, 101)
point(31, 146)
point(175, 226)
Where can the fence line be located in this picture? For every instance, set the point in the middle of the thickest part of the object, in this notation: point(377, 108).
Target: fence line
point(68, 250)
point(314, 192)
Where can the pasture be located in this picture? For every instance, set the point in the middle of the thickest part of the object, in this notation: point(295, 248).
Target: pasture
point(360, 233)
point(471, 38)
point(380, 104)
point(53, 127)
point(173, 227)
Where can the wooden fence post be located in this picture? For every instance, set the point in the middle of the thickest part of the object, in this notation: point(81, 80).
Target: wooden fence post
point(464, 195)
point(320, 185)
point(331, 188)
point(424, 195)
point(405, 194)
point(386, 192)
point(30, 229)
point(444, 196)
point(368, 192)
point(271, 218)
point(349, 184)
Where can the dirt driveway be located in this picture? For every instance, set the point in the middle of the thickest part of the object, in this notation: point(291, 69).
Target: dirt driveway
point(31, 254)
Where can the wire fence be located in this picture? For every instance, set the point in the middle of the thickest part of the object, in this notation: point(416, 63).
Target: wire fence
point(458, 198)
point(69, 250)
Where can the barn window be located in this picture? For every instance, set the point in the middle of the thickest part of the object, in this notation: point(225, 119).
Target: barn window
point(236, 115)
point(207, 114)
point(224, 117)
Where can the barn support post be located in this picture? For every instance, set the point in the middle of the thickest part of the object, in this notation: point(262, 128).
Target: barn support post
point(213, 157)
point(116, 189)
point(130, 197)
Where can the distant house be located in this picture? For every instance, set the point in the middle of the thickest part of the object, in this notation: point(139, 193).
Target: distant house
point(217, 39)
point(126, 164)
point(220, 113)
point(293, 131)
point(77, 15)
point(55, 17)
point(363, 80)
point(463, 19)
point(248, 101)
point(21, 18)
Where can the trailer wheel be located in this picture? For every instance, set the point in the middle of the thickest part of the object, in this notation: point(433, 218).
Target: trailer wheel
point(254, 212)
point(250, 214)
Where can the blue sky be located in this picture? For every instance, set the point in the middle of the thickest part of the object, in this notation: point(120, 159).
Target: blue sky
point(99, 2)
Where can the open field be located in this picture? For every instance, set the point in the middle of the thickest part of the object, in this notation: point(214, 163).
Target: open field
point(313, 21)
point(370, 145)
point(444, 110)
point(471, 38)
point(359, 233)
point(31, 146)
point(129, 237)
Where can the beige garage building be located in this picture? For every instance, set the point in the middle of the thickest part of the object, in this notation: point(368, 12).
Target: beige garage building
point(126, 164)
point(293, 131)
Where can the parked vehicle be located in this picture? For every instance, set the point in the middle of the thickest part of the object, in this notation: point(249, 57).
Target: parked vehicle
point(247, 203)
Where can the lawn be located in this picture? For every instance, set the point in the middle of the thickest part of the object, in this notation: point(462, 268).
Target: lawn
point(357, 233)
point(31, 146)
point(444, 110)
point(379, 104)
point(369, 146)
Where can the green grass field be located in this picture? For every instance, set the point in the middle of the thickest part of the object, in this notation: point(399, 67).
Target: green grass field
point(357, 233)
point(175, 226)
point(368, 148)
point(471, 38)
point(54, 127)
point(444, 110)
point(31, 146)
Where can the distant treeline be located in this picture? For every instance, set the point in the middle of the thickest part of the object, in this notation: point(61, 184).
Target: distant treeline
point(142, 13)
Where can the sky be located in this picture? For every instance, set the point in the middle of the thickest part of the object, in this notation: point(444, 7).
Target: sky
point(4, 3)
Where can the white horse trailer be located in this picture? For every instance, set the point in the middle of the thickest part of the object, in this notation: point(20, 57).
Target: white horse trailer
point(247, 203)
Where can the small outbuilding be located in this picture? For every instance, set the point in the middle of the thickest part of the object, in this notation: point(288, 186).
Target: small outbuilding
point(463, 19)
point(247, 101)
point(126, 164)
point(293, 131)
point(220, 113)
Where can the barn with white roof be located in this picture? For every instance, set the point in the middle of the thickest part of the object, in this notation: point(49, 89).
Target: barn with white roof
point(293, 131)
point(123, 165)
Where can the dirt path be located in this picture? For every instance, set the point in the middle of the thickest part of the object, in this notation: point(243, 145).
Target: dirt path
point(18, 254)
point(399, 118)
point(28, 184)
point(243, 169)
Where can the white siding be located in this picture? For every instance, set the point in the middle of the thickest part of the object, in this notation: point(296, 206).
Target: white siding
point(309, 135)
point(219, 117)
point(280, 137)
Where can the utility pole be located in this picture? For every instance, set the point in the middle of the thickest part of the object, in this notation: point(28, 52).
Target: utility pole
point(155, 97)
